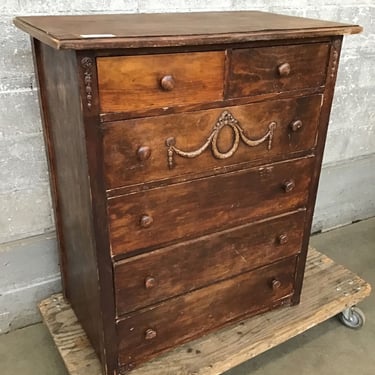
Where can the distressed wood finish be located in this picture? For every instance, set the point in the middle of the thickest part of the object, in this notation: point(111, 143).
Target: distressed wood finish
point(215, 203)
point(149, 331)
point(195, 208)
point(124, 140)
point(324, 120)
point(329, 288)
point(193, 264)
point(129, 83)
point(178, 29)
point(257, 71)
point(67, 152)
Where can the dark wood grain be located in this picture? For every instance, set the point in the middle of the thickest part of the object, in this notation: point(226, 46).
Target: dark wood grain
point(61, 103)
point(262, 70)
point(200, 213)
point(50, 153)
point(195, 313)
point(124, 140)
point(206, 205)
point(153, 277)
point(334, 58)
point(94, 153)
point(175, 29)
point(154, 81)
point(230, 102)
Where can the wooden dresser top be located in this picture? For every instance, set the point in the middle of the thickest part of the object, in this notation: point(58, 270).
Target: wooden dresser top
point(173, 29)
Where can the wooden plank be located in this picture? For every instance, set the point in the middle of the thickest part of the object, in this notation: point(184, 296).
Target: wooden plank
point(156, 30)
point(328, 289)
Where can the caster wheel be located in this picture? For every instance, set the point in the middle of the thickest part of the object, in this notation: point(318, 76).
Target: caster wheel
point(353, 318)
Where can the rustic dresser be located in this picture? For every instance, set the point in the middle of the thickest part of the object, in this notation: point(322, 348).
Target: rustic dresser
point(184, 154)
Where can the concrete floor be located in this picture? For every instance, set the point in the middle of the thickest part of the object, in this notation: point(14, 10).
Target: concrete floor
point(327, 349)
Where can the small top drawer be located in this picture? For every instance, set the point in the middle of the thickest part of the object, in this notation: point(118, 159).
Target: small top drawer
point(256, 71)
point(131, 83)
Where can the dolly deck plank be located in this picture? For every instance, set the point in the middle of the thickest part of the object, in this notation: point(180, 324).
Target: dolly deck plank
point(328, 289)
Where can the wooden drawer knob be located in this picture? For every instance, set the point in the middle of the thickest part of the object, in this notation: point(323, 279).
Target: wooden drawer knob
point(296, 125)
point(150, 282)
point(143, 153)
point(146, 221)
point(167, 83)
point(150, 334)
point(284, 70)
point(283, 239)
point(276, 284)
point(289, 185)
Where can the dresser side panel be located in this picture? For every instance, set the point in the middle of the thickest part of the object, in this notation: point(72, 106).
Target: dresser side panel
point(321, 140)
point(64, 130)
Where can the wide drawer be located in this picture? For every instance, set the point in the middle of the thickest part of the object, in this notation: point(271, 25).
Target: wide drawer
point(131, 83)
point(136, 151)
point(153, 277)
point(163, 215)
point(263, 70)
point(148, 332)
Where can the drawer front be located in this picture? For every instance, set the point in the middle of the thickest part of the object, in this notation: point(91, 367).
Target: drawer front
point(131, 83)
point(265, 70)
point(185, 210)
point(136, 151)
point(150, 278)
point(148, 332)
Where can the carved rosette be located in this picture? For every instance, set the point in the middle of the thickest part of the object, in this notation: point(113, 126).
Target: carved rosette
point(225, 119)
point(87, 63)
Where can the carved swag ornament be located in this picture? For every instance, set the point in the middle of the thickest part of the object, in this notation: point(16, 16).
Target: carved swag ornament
point(225, 119)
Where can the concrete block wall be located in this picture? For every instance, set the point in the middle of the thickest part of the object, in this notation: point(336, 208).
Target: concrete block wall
point(28, 255)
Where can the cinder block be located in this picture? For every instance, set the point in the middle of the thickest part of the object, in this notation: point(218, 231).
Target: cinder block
point(25, 213)
point(346, 193)
point(265, 5)
point(19, 114)
point(28, 261)
point(16, 57)
point(288, 10)
point(327, 13)
point(338, 3)
point(259, 5)
point(184, 5)
point(9, 7)
point(364, 16)
point(18, 308)
point(61, 6)
point(23, 163)
point(125, 6)
point(352, 109)
point(343, 144)
point(10, 82)
point(356, 70)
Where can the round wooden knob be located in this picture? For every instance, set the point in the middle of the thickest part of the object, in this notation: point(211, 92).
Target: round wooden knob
point(276, 284)
point(284, 70)
point(143, 153)
point(296, 125)
point(150, 334)
point(289, 186)
point(146, 221)
point(150, 282)
point(283, 239)
point(167, 83)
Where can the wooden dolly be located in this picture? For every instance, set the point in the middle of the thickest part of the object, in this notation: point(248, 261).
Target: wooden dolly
point(329, 289)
